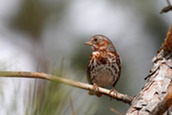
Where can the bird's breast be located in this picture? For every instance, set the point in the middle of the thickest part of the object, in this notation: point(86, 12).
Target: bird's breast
point(103, 68)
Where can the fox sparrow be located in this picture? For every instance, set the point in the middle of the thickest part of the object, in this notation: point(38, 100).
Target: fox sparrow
point(104, 66)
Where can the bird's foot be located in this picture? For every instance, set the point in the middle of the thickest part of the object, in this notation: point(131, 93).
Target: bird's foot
point(95, 87)
point(95, 90)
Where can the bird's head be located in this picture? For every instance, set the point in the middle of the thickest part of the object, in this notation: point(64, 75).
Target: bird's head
point(100, 43)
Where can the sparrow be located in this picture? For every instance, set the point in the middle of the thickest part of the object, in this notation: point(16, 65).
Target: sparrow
point(104, 65)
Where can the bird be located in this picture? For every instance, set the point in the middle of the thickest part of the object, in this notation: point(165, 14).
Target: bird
point(104, 65)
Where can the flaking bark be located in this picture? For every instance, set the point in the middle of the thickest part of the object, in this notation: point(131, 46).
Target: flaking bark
point(158, 83)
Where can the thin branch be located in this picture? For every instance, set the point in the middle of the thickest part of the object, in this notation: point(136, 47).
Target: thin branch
point(167, 8)
point(118, 96)
point(168, 2)
point(115, 111)
point(71, 103)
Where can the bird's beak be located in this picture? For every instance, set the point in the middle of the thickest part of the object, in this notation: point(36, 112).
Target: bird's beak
point(88, 43)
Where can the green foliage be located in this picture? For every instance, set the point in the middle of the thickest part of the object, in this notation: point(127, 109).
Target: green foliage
point(33, 15)
point(50, 101)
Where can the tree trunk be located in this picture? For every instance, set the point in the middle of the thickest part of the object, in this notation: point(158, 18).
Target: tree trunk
point(154, 98)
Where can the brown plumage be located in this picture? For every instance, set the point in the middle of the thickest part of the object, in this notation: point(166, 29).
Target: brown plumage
point(104, 66)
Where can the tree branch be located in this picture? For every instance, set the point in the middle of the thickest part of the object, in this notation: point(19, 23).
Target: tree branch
point(167, 8)
point(167, 46)
point(153, 96)
point(118, 96)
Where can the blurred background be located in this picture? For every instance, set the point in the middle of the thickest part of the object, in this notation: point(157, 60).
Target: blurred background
point(49, 35)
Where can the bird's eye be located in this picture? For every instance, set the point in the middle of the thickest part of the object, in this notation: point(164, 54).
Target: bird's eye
point(95, 39)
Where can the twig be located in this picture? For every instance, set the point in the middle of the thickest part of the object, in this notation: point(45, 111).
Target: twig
point(115, 111)
point(168, 2)
point(118, 96)
point(167, 8)
point(71, 103)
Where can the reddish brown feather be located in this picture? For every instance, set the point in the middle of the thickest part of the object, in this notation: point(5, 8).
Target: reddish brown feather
point(104, 64)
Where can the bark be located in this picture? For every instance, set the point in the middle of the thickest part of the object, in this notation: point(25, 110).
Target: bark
point(158, 84)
